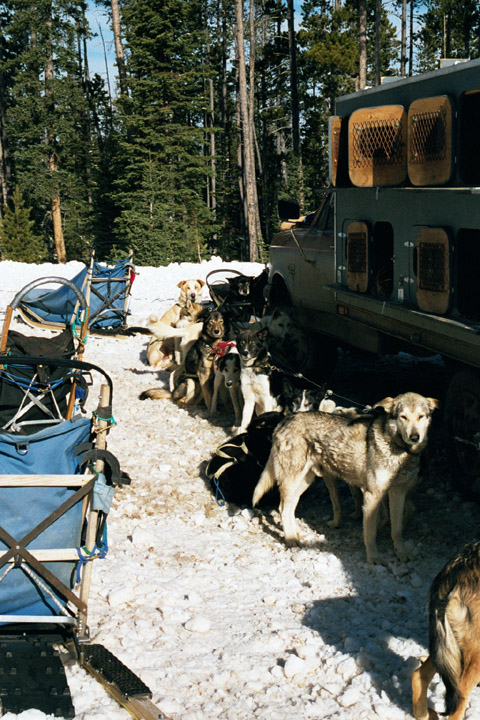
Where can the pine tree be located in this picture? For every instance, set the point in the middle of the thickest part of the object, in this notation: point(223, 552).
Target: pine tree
point(53, 153)
point(17, 239)
point(448, 29)
point(162, 166)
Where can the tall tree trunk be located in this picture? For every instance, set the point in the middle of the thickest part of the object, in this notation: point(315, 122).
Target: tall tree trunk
point(86, 130)
point(107, 72)
point(280, 136)
point(251, 115)
point(210, 123)
point(213, 153)
point(253, 219)
point(362, 43)
point(403, 42)
point(292, 48)
point(410, 45)
point(5, 170)
point(378, 41)
point(251, 94)
point(120, 58)
point(52, 160)
point(241, 171)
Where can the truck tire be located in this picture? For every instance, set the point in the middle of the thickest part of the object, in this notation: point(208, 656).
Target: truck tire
point(462, 425)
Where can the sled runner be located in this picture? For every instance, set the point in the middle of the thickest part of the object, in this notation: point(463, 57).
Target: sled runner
point(57, 482)
point(106, 287)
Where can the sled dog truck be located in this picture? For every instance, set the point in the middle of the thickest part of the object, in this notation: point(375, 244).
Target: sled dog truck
point(390, 261)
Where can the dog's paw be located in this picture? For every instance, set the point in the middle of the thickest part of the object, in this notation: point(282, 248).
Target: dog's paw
point(401, 553)
point(334, 522)
point(292, 542)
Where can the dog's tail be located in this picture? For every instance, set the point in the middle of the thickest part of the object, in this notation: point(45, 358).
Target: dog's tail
point(265, 483)
point(163, 331)
point(155, 394)
point(452, 616)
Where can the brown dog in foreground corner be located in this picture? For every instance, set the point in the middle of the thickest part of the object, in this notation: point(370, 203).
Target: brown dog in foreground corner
point(454, 636)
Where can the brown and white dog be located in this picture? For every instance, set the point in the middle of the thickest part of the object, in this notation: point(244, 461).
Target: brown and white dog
point(163, 352)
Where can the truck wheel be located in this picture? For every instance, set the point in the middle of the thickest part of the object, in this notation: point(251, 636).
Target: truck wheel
point(462, 424)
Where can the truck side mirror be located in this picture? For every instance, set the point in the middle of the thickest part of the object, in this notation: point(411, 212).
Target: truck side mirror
point(288, 210)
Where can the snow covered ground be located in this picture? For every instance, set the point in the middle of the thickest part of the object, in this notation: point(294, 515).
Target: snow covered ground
point(205, 603)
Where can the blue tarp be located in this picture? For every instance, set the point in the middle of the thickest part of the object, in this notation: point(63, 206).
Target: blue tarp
point(49, 451)
point(107, 298)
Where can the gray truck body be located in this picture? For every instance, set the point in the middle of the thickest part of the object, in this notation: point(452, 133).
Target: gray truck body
point(396, 266)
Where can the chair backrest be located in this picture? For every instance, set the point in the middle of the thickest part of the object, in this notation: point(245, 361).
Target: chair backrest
point(41, 519)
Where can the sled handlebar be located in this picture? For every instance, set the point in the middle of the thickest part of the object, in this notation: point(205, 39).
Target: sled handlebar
point(43, 281)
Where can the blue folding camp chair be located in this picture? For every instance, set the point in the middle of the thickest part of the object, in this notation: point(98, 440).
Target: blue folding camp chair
point(106, 287)
point(57, 481)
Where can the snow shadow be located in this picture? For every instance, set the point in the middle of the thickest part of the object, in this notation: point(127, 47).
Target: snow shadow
point(380, 626)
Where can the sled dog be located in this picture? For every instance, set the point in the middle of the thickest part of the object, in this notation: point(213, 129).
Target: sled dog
point(378, 453)
point(163, 352)
point(190, 296)
point(196, 372)
point(257, 377)
point(454, 636)
point(227, 375)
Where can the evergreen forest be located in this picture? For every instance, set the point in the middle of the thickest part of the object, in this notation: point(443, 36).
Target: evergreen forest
point(217, 110)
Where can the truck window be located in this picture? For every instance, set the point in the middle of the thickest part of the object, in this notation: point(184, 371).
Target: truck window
point(469, 145)
point(468, 262)
point(383, 259)
point(326, 217)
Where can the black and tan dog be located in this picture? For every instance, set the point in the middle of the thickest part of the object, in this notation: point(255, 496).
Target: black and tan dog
point(194, 377)
point(454, 636)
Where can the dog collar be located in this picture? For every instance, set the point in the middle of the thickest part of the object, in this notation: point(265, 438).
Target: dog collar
point(221, 349)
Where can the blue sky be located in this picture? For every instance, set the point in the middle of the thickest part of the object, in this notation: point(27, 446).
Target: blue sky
point(98, 18)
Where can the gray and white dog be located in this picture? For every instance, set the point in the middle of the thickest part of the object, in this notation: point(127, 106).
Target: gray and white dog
point(378, 453)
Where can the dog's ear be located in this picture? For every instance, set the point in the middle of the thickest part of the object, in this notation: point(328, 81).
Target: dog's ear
point(181, 284)
point(386, 405)
point(433, 404)
point(263, 334)
point(201, 283)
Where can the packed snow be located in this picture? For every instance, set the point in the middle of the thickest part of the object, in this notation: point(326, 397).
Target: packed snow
point(204, 602)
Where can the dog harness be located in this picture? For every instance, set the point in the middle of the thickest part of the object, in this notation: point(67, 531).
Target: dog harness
point(221, 349)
